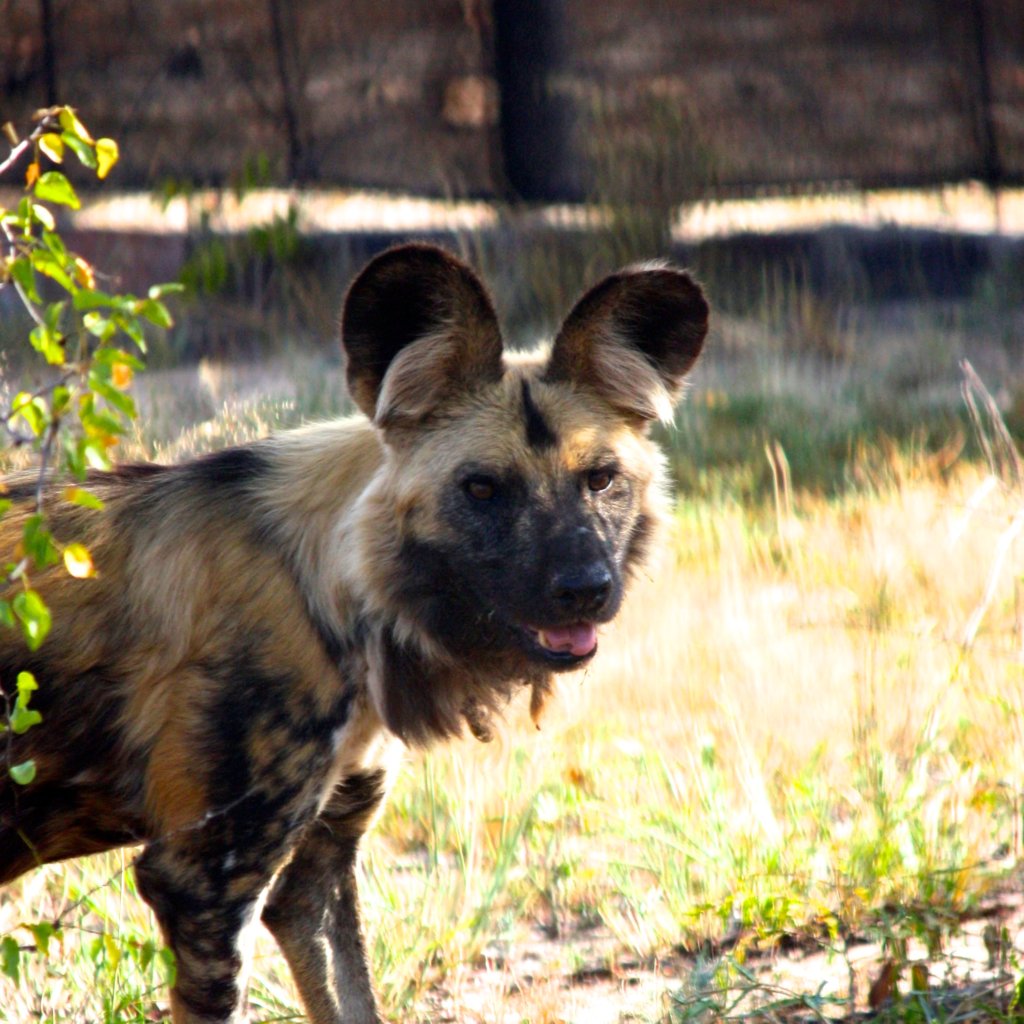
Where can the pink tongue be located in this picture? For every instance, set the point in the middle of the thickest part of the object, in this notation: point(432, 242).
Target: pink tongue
point(578, 639)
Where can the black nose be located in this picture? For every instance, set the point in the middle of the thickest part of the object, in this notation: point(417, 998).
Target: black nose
point(583, 591)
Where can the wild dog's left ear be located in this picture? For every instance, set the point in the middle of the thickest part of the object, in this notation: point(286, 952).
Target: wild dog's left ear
point(418, 326)
point(633, 338)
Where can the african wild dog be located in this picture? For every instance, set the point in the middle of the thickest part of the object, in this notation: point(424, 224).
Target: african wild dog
point(271, 622)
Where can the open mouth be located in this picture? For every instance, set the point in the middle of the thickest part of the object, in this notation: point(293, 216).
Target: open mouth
point(565, 645)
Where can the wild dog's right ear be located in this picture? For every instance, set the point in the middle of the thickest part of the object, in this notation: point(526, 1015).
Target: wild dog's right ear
point(633, 338)
point(417, 327)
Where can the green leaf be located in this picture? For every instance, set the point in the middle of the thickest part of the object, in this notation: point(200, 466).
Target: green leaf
point(34, 616)
point(46, 263)
point(101, 326)
point(48, 344)
point(131, 326)
point(90, 298)
point(107, 155)
point(60, 400)
point(158, 291)
point(22, 719)
point(82, 149)
point(22, 272)
point(118, 357)
point(56, 245)
point(23, 774)
point(94, 452)
point(102, 422)
point(80, 496)
point(27, 685)
point(53, 187)
point(122, 402)
point(70, 123)
point(42, 932)
point(6, 614)
point(32, 410)
point(94, 419)
point(170, 965)
point(10, 955)
point(38, 542)
point(147, 950)
point(155, 312)
point(74, 455)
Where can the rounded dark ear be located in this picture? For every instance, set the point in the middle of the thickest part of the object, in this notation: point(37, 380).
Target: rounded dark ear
point(417, 326)
point(633, 338)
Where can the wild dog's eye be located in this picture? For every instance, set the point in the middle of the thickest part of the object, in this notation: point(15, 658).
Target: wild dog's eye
point(600, 479)
point(480, 488)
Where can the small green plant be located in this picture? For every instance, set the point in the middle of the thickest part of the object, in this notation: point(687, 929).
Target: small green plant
point(83, 347)
point(248, 287)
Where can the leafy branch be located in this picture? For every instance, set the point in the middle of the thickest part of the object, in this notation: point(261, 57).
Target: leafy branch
point(90, 342)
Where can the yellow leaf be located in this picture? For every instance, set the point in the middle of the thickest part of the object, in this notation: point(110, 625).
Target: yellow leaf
point(121, 376)
point(107, 154)
point(78, 561)
point(70, 123)
point(83, 273)
point(53, 146)
point(31, 174)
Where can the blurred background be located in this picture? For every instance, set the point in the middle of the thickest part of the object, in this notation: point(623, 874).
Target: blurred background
point(501, 98)
point(845, 179)
point(270, 146)
point(803, 743)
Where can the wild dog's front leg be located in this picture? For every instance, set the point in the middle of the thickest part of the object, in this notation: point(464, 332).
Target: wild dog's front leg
point(313, 908)
point(207, 912)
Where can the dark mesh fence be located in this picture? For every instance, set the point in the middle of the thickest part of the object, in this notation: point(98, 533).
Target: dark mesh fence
point(657, 100)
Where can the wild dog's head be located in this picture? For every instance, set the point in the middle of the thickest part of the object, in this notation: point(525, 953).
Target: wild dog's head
point(518, 492)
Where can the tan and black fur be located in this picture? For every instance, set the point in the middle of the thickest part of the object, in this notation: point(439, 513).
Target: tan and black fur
point(270, 623)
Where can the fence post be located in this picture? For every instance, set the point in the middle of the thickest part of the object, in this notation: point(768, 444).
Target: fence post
point(984, 126)
point(530, 47)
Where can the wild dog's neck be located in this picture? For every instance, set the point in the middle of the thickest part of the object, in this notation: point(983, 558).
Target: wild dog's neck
point(333, 507)
point(424, 688)
point(318, 476)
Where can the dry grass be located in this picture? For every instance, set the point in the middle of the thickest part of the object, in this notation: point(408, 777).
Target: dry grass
point(783, 736)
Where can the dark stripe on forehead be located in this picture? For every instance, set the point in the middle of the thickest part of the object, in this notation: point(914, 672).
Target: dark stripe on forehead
point(538, 433)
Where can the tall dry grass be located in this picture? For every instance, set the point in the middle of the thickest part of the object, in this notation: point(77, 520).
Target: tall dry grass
point(783, 734)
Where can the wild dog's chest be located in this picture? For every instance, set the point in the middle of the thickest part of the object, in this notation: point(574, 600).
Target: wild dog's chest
point(361, 745)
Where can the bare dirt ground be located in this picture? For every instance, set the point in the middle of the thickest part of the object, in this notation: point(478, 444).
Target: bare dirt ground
point(584, 977)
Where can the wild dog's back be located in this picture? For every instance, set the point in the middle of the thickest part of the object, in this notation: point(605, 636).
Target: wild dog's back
point(268, 622)
point(199, 634)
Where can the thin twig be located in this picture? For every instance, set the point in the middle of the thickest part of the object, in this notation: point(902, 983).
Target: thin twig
point(16, 152)
point(46, 124)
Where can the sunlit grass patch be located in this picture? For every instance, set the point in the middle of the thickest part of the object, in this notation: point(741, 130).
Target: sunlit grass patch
point(788, 741)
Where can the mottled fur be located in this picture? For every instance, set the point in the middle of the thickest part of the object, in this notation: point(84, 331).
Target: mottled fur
point(270, 623)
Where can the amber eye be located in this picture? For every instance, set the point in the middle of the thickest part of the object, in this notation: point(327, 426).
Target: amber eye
point(480, 488)
point(600, 479)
